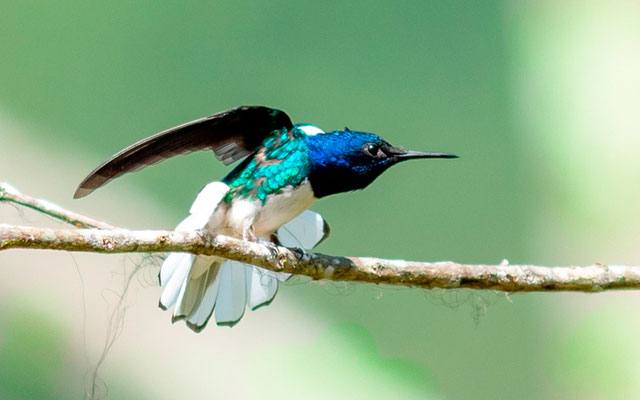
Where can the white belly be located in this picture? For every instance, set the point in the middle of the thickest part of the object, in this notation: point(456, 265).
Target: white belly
point(282, 208)
point(243, 215)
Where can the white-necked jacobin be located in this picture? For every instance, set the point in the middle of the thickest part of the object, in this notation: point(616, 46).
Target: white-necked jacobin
point(286, 167)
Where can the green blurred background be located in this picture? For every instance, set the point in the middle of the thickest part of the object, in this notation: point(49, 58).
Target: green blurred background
point(540, 100)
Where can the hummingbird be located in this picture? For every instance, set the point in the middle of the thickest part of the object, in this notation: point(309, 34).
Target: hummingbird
point(284, 169)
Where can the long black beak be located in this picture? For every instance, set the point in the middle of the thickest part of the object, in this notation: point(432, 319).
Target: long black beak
point(402, 154)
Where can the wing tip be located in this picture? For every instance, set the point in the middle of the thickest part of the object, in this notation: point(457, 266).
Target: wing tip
point(82, 192)
point(93, 181)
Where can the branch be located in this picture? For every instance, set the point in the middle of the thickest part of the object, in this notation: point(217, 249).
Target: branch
point(446, 275)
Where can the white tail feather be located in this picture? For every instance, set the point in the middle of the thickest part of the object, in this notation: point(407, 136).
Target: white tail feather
point(198, 285)
point(232, 293)
point(194, 285)
point(262, 286)
point(200, 315)
point(169, 267)
point(305, 231)
point(174, 284)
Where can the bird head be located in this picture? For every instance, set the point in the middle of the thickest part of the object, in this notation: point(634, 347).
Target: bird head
point(347, 160)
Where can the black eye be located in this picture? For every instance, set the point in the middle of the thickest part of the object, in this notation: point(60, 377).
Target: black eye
point(372, 149)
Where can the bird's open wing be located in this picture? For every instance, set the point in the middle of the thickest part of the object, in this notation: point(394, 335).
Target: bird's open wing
point(231, 134)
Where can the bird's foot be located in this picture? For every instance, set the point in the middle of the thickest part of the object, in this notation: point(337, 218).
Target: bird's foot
point(299, 252)
point(273, 249)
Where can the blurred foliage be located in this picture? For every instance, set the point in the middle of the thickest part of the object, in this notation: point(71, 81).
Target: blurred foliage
point(491, 81)
point(32, 351)
point(359, 368)
point(597, 359)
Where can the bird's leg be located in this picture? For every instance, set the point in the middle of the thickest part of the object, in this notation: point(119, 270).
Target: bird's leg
point(250, 236)
point(274, 239)
point(297, 250)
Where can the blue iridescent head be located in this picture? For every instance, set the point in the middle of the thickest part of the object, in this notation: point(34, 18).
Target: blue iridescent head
point(346, 160)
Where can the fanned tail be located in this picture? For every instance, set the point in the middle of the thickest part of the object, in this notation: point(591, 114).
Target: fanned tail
point(198, 285)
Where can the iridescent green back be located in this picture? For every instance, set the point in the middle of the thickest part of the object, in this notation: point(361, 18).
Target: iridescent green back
point(281, 161)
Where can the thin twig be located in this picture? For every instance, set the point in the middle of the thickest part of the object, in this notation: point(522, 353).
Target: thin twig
point(10, 194)
point(447, 275)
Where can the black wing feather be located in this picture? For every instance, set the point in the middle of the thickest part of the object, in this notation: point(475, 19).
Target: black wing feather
point(231, 134)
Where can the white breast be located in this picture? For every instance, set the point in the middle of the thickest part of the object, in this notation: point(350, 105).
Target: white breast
point(263, 220)
point(282, 208)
